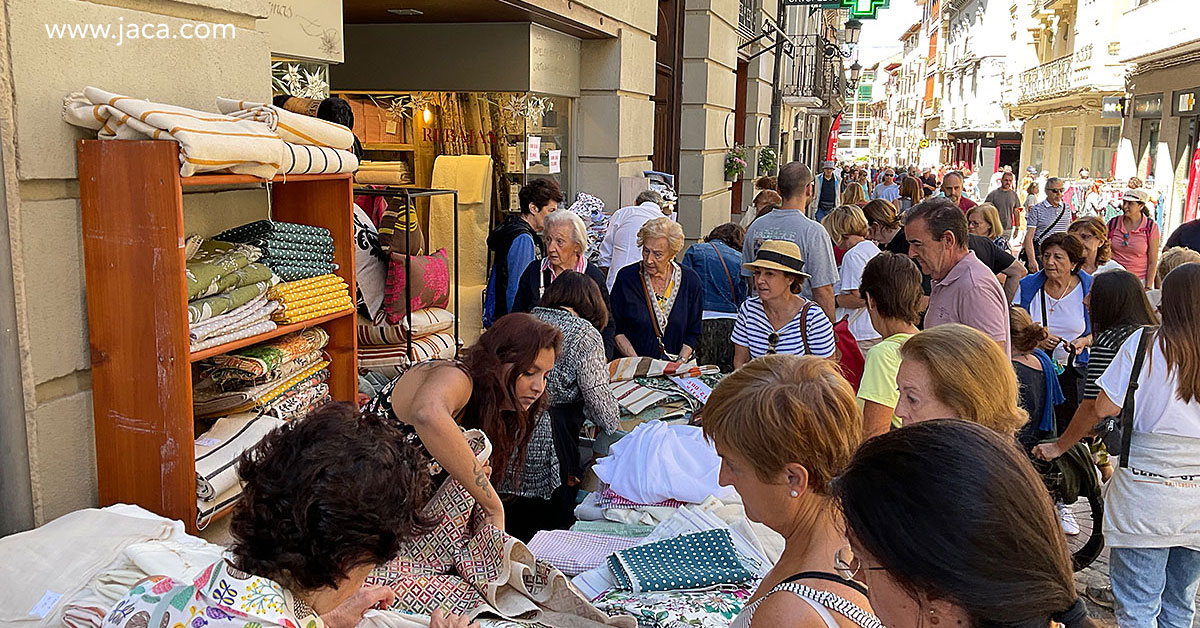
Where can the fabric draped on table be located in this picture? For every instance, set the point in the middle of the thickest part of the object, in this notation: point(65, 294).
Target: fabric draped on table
point(692, 561)
point(468, 567)
point(576, 552)
point(712, 608)
point(625, 369)
point(208, 142)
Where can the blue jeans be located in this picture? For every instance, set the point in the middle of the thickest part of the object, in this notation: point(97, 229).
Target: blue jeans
point(1154, 586)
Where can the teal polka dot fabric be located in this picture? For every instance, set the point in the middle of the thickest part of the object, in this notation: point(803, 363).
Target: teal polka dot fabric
point(692, 561)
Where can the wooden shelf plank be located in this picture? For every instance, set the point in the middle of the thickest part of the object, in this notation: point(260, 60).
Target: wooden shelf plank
point(397, 146)
point(232, 179)
point(282, 330)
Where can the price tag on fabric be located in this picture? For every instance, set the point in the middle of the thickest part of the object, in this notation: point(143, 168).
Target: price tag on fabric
point(206, 442)
point(533, 149)
point(555, 161)
point(46, 604)
point(694, 387)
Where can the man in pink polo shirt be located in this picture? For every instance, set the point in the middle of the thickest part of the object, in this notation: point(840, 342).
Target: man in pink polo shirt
point(964, 289)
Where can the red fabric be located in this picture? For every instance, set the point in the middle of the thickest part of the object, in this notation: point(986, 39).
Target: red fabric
point(831, 150)
point(1193, 189)
point(849, 356)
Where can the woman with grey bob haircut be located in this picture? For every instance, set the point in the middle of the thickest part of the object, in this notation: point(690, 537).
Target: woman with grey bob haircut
point(566, 241)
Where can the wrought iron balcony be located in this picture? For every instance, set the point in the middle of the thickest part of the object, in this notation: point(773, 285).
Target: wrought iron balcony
point(1057, 77)
point(813, 75)
point(747, 24)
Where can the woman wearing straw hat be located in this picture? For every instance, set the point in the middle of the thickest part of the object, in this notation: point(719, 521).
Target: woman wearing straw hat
point(778, 319)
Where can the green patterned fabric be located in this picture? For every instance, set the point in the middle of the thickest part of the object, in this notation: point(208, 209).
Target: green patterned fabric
point(206, 308)
point(267, 228)
point(278, 245)
point(677, 609)
point(290, 257)
point(302, 270)
point(612, 528)
point(213, 262)
point(692, 561)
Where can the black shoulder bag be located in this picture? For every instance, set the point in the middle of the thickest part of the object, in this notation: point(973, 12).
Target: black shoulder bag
point(1120, 429)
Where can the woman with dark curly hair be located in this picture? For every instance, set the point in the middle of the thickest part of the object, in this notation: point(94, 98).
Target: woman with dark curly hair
point(496, 387)
point(310, 527)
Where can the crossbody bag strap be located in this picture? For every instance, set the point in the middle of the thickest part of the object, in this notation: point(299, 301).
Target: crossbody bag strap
point(1045, 311)
point(1126, 416)
point(804, 326)
point(653, 317)
point(732, 290)
point(1056, 219)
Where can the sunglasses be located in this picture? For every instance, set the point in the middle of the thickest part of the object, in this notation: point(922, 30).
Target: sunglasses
point(772, 342)
point(1058, 190)
point(848, 567)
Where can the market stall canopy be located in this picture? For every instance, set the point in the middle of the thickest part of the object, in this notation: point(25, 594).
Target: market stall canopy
point(577, 20)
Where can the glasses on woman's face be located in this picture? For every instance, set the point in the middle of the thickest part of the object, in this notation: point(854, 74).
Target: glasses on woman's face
point(847, 564)
point(772, 342)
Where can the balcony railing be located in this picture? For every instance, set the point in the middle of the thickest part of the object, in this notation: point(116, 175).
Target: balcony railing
point(813, 75)
point(1056, 77)
point(746, 21)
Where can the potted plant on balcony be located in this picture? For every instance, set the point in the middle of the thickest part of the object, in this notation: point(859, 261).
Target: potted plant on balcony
point(735, 162)
point(768, 161)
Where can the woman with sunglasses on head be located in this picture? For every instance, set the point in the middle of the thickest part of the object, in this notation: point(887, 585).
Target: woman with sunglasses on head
point(1135, 237)
point(784, 426)
point(777, 319)
point(949, 524)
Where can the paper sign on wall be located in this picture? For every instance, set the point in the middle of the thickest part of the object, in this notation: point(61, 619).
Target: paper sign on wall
point(533, 149)
point(514, 159)
point(555, 161)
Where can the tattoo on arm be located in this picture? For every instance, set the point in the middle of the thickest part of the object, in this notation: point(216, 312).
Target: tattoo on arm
point(481, 479)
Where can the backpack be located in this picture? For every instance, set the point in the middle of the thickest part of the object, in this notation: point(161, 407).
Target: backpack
point(846, 353)
point(1147, 225)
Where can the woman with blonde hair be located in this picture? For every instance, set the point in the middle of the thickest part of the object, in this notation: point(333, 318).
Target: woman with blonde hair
point(883, 222)
point(657, 303)
point(984, 220)
point(854, 195)
point(847, 227)
point(910, 193)
point(1097, 250)
point(785, 426)
point(955, 372)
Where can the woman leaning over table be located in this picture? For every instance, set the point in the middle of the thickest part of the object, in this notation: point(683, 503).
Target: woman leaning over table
point(566, 243)
point(658, 304)
point(784, 426)
point(1097, 249)
point(951, 527)
point(891, 286)
point(778, 319)
point(1054, 297)
point(1152, 502)
point(1135, 237)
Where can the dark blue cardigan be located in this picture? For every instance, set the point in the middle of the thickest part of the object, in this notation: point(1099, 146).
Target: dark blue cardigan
point(634, 318)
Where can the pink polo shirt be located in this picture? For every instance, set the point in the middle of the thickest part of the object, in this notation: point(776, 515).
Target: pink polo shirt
point(970, 295)
point(1131, 249)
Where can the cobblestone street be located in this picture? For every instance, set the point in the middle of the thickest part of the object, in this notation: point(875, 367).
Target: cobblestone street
point(1096, 577)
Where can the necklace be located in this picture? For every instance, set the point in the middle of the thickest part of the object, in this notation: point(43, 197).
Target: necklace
point(1054, 305)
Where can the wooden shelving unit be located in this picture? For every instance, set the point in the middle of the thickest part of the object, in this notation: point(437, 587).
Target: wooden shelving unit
point(131, 197)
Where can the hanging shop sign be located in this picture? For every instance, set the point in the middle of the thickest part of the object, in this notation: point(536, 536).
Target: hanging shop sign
point(1112, 107)
point(1147, 106)
point(1183, 102)
point(305, 29)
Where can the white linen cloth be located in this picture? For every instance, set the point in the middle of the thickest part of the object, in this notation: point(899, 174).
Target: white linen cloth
point(304, 159)
point(292, 127)
point(657, 461)
point(219, 449)
point(208, 142)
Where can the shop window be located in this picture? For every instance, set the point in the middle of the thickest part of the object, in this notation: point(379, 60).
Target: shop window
point(1066, 153)
point(1037, 149)
point(1148, 146)
point(1104, 145)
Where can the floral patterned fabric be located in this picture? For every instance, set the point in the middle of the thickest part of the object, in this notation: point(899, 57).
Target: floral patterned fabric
point(677, 609)
point(430, 277)
point(221, 597)
point(212, 261)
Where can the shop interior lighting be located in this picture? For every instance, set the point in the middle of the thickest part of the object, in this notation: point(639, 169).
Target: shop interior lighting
point(427, 115)
point(406, 12)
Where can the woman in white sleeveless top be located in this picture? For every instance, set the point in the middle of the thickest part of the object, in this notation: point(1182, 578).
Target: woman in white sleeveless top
point(784, 426)
point(951, 527)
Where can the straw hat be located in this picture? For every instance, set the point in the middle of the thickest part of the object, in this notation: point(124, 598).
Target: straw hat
point(781, 255)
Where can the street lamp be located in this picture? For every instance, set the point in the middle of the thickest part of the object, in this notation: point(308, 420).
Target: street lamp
point(855, 73)
point(853, 30)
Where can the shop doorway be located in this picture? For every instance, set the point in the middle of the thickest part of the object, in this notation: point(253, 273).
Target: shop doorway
point(739, 129)
point(668, 86)
point(1008, 153)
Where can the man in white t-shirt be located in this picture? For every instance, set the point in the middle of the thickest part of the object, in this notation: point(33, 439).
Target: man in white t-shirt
point(619, 247)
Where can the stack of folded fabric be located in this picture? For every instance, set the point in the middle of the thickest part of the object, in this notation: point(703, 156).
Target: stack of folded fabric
point(217, 454)
point(310, 145)
point(384, 349)
point(649, 389)
point(285, 376)
point(383, 173)
point(226, 288)
point(293, 251)
point(310, 298)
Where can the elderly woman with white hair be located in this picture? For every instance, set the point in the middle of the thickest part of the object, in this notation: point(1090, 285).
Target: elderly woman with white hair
point(657, 303)
point(566, 247)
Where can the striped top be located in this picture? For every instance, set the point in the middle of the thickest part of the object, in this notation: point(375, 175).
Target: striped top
point(1102, 351)
point(752, 329)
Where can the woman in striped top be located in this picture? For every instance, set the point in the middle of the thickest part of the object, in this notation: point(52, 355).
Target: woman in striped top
point(778, 319)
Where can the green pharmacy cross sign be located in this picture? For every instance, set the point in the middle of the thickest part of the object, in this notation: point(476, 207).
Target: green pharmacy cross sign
point(859, 9)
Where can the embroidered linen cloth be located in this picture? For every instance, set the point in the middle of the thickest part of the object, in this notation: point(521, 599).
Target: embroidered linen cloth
point(218, 450)
point(292, 127)
point(210, 270)
point(208, 142)
point(692, 561)
point(677, 609)
point(256, 361)
point(626, 369)
point(222, 597)
point(467, 567)
point(576, 552)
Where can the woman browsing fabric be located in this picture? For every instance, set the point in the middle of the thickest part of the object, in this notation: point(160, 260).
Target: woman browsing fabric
point(566, 242)
point(949, 525)
point(891, 286)
point(496, 387)
point(784, 426)
point(778, 319)
point(658, 304)
point(716, 262)
point(847, 227)
point(1054, 297)
point(1152, 512)
point(1097, 250)
point(955, 372)
point(545, 483)
point(1135, 237)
